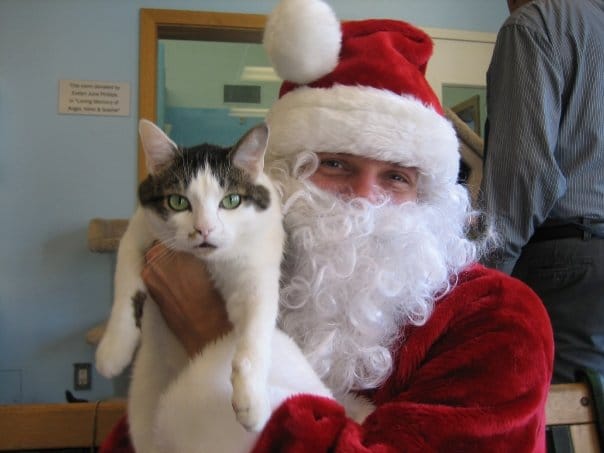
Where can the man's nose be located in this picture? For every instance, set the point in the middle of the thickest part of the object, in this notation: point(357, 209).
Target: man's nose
point(365, 185)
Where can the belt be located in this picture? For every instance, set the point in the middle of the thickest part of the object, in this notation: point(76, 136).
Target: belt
point(581, 228)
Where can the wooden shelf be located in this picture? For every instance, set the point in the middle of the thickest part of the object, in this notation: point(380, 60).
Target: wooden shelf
point(61, 425)
point(104, 234)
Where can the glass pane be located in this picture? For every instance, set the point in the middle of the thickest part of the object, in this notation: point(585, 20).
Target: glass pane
point(469, 102)
point(212, 91)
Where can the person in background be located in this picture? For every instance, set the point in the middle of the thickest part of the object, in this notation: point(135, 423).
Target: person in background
point(381, 287)
point(543, 179)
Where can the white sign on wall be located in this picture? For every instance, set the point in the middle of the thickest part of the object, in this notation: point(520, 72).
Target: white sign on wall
point(90, 97)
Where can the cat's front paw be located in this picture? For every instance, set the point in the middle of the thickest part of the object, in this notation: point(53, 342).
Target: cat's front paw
point(250, 397)
point(114, 353)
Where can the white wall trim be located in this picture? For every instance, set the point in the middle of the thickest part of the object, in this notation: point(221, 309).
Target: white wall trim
point(461, 57)
point(461, 35)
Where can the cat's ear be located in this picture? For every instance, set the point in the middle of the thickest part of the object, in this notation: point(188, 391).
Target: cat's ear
point(248, 153)
point(159, 149)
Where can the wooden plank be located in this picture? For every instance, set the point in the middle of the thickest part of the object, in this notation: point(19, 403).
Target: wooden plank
point(569, 404)
point(147, 79)
point(585, 438)
point(61, 425)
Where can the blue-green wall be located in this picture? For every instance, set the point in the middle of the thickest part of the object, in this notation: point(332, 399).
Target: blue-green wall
point(57, 171)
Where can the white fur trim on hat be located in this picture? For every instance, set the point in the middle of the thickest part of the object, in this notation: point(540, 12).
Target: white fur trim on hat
point(302, 39)
point(364, 121)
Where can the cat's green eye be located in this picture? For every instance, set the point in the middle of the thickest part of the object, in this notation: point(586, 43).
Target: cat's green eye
point(231, 201)
point(178, 202)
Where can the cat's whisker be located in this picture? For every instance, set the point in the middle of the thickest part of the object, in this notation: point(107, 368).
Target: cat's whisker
point(167, 252)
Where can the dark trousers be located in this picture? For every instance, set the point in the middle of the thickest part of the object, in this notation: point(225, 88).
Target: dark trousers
point(568, 275)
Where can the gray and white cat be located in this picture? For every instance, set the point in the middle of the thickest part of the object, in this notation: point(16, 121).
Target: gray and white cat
point(219, 205)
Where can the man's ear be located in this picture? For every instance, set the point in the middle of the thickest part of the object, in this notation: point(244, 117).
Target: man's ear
point(248, 153)
point(159, 149)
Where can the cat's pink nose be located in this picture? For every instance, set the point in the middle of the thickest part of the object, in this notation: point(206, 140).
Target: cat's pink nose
point(204, 231)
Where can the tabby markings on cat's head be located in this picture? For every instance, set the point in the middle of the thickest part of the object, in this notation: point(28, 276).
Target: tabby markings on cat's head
point(164, 191)
point(194, 190)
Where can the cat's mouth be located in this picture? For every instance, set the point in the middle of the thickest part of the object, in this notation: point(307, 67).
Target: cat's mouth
point(206, 245)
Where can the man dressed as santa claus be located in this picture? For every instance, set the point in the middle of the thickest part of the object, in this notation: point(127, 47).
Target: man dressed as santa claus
point(381, 289)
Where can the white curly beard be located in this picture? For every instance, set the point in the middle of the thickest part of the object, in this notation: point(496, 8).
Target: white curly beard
point(355, 274)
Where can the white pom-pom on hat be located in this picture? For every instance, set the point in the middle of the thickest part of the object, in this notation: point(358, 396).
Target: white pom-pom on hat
point(302, 39)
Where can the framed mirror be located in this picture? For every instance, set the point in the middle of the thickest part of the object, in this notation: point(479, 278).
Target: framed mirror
point(240, 90)
point(469, 102)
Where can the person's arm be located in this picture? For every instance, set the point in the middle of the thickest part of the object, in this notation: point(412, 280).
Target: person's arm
point(521, 178)
point(180, 285)
point(473, 379)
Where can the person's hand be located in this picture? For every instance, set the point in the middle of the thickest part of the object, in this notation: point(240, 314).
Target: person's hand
point(181, 286)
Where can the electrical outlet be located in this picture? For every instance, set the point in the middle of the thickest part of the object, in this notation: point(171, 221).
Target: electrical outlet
point(82, 376)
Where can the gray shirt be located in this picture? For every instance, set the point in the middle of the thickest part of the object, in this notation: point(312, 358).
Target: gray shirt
point(544, 154)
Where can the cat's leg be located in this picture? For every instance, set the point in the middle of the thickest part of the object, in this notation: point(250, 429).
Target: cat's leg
point(159, 360)
point(121, 336)
point(254, 320)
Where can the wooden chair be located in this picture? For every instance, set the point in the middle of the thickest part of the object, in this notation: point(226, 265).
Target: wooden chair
point(57, 426)
point(572, 425)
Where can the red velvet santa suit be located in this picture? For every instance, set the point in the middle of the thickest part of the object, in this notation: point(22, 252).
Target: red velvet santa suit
point(474, 378)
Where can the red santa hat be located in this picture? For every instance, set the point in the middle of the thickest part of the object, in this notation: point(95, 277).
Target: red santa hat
point(358, 87)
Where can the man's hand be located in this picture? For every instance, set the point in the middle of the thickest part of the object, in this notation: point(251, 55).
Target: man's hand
point(181, 286)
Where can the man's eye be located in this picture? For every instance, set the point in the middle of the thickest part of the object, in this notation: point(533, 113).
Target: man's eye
point(332, 163)
point(178, 202)
point(231, 201)
point(399, 178)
